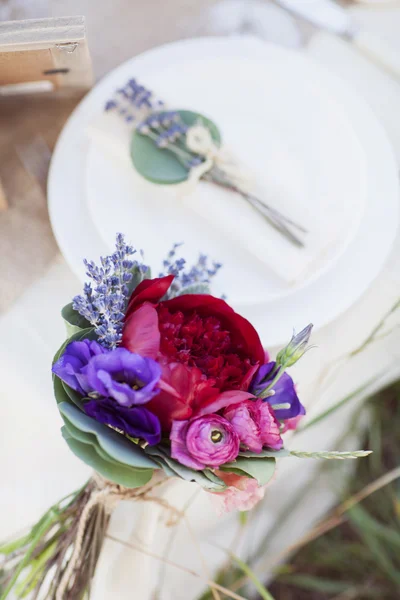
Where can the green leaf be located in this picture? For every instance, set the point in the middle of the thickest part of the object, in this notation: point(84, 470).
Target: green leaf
point(37, 533)
point(113, 443)
point(120, 474)
point(261, 469)
point(262, 590)
point(265, 454)
point(73, 396)
point(206, 479)
point(317, 584)
point(70, 431)
point(357, 518)
point(357, 393)
point(9, 547)
point(387, 534)
point(59, 391)
point(37, 568)
point(161, 165)
point(74, 322)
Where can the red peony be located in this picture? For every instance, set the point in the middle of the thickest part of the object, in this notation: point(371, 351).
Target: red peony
point(208, 352)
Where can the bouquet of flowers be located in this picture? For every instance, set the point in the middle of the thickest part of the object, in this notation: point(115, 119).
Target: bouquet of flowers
point(158, 379)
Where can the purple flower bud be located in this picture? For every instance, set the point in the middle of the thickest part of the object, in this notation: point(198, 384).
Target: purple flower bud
point(71, 366)
point(295, 349)
point(256, 425)
point(208, 441)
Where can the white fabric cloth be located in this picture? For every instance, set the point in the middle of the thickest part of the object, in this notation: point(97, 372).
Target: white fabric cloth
point(37, 468)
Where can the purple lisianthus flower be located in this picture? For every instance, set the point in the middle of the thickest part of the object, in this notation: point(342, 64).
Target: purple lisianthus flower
point(208, 441)
point(128, 378)
point(256, 425)
point(284, 392)
point(136, 421)
point(71, 366)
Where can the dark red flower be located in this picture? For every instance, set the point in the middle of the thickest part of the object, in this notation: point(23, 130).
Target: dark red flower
point(197, 331)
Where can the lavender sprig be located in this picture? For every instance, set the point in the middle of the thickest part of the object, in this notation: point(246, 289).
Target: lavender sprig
point(198, 276)
point(133, 102)
point(105, 298)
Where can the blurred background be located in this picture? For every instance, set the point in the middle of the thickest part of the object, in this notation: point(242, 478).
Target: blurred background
point(332, 537)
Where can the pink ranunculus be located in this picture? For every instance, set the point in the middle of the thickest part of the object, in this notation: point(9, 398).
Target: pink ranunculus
point(242, 493)
point(256, 425)
point(208, 441)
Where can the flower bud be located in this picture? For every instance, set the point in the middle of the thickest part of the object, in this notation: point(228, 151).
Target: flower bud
point(295, 349)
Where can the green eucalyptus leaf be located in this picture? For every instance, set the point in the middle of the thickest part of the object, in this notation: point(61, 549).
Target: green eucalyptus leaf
point(73, 395)
point(160, 165)
point(206, 479)
point(70, 431)
point(74, 322)
point(265, 454)
point(120, 474)
point(60, 393)
point(261, 469)
point(112, 442)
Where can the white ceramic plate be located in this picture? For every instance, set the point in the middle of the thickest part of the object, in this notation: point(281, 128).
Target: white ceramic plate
point(320, 301)
point(275, 118)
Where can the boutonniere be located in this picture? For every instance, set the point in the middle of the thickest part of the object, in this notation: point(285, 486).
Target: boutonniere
point(171, 146)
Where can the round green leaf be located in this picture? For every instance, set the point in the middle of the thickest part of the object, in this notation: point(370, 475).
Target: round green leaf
point(160, 165)
point(261, 469)
point(120, 474)
point(74, 322)
point(59, 391)
point(206, 479)
point(113, 443)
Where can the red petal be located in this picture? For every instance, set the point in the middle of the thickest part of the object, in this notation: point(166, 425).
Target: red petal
point(223, 400)
point(242, 331)
point(149, 290)
point(168, 408)
point(141, 334)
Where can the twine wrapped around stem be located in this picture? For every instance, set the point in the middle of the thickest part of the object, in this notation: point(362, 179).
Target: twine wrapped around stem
point(63, 548)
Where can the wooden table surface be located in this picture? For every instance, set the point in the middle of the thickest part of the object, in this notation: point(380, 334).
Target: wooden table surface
point(29, 127)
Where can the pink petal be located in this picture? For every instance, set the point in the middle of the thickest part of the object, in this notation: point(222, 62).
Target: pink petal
point(223, 400)
point(179, 450)
point(243, 493)
point(141, 334)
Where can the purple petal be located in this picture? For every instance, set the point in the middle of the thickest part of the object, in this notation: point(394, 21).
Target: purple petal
point(128, 378)
point(74, 360)
point(137, 422)
point(285, 392)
